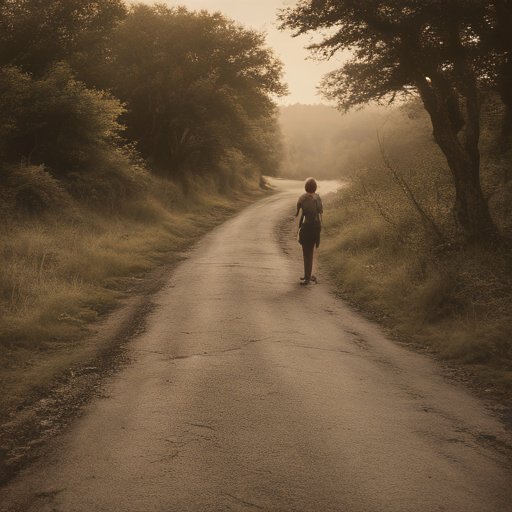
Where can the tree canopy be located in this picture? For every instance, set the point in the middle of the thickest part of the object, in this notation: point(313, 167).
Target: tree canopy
point(190, 92)
point(195, 84)
point(34, 34)
point(441, 50)
point(54, 120)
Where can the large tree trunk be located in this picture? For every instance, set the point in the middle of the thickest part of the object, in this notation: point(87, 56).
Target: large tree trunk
point(503, 41)
point(470, 209)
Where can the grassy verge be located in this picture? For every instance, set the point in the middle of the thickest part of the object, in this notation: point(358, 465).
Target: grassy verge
point(62, 271)
point(454, 300)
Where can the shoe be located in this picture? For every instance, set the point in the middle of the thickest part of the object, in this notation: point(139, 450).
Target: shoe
point(304, 283)
point(313, 278)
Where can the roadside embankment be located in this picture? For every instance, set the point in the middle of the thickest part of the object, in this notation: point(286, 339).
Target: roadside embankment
point(62, 271)
point(453, 300)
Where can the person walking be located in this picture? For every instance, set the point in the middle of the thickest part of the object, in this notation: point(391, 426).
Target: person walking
point(310, 226)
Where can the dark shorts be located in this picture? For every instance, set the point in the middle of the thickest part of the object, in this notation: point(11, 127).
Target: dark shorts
point(309, 233)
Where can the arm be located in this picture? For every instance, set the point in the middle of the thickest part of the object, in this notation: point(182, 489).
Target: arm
point(299, 206)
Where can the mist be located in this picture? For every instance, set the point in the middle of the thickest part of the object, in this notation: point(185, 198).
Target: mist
point(322, 142)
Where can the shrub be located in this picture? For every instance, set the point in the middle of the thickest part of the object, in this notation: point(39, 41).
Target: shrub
point(54, 121)
point(34, 191)
point(109, 178)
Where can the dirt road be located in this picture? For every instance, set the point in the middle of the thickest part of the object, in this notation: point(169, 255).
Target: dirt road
point(249, 392)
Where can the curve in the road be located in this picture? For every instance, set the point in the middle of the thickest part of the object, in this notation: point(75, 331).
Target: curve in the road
point(249, 392)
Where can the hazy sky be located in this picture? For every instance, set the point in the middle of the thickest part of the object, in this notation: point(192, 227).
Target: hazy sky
point(301, 75)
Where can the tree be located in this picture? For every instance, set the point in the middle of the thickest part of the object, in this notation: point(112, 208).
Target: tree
point(195, 84)
point(54, 120)
point(497, 39)
point(34, 34)
point(433, 48)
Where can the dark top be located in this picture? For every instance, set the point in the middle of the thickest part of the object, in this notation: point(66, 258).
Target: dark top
point(310, 226)
point(311, 206)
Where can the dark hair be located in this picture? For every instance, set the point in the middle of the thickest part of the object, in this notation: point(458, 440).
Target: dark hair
point(310, 185)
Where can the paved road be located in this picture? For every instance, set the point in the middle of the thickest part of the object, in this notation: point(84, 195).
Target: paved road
point(248, 392)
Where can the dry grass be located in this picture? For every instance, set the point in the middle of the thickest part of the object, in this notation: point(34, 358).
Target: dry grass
point(456, 301)
point(62, 270)
point(58, 274)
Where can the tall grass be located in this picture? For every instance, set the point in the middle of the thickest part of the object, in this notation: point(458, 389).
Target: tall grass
point(457, 301)
point(59, 272)
point(73, 247)
point(404, 263)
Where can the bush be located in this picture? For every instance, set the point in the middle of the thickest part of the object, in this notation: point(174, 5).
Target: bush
point(54, 121)
point(34, 191)
point(109, 178)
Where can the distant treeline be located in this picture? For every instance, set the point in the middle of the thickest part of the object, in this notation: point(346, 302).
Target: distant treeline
point(94, 94)
point(319, 141)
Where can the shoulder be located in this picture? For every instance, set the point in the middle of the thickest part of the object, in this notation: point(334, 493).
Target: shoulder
point(302, 197)
point(319, 205)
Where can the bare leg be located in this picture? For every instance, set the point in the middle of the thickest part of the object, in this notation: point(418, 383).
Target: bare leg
point(307, 251)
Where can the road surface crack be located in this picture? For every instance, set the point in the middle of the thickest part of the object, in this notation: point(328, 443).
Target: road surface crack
point(49, 495)
point(261, 339)
point(201, 426)
point(322, 349)
point(249, 504)
point(166, 458)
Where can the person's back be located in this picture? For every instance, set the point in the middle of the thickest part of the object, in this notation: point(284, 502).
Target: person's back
point(311, 206)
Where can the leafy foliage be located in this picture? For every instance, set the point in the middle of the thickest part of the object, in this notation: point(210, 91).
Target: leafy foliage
point(439, 50)
point(198, 90)
point(54, 120)
point(35, 34)
point(196, 85)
